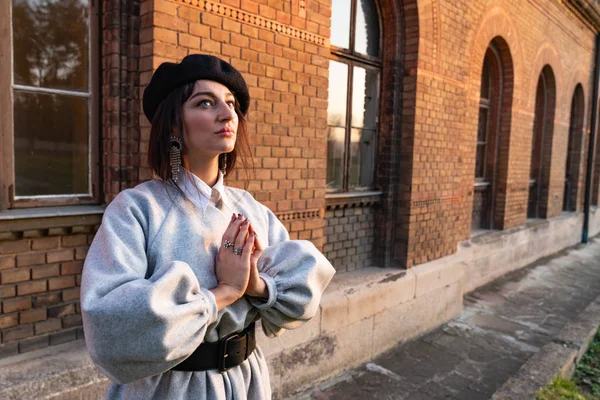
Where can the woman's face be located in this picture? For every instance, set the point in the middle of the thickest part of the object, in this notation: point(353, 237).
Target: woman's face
point(210, 122)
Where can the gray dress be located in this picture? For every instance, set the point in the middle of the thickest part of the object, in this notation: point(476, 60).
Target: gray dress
point(145, 296)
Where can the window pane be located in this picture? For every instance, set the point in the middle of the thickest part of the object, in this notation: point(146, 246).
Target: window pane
point(363, 144)
point(480, 161)
point(51, 144)
point(338, 86)
point(483, 125)
point(335, 157)
point(340, 23)
point(485, 79)
point(51, 43)
point(365, 98)
point(367, 28)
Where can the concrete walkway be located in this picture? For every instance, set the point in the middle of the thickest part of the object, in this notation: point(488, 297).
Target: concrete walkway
point(501, 327)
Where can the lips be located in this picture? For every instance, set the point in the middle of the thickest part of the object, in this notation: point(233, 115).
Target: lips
point(225, 131)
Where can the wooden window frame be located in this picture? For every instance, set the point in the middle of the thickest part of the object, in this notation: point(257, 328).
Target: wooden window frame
point(540, 133)
point(493, 104)
point(354, 59)
point(8, 200)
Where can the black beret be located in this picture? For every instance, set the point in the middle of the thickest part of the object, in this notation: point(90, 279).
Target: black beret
point(169, 76)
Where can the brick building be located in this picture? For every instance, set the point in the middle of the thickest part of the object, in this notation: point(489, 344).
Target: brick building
point(415, 135)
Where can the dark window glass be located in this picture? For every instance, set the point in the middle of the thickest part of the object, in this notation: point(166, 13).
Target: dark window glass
point(335, 157)
point(50, 43)
point(367, 28)
point(51, 144)
point(354, 81)
point(485, 80)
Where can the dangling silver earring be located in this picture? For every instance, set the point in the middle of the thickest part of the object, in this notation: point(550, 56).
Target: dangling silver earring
point(224, 164)
point(175, 147)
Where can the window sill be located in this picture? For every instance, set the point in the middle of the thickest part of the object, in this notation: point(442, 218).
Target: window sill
point(16, 223)
point(352, 199)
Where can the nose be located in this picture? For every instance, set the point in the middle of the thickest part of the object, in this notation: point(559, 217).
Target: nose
point(226, 113)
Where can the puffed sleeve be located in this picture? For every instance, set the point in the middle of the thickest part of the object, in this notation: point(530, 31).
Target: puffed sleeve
point(296, 274)
point(135, 325)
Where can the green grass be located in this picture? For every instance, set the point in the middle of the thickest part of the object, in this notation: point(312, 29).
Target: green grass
point(561, 389)
point(587, 374)
point(585, 384)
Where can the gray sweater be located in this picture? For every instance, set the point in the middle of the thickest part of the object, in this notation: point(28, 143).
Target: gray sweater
point(145, 296)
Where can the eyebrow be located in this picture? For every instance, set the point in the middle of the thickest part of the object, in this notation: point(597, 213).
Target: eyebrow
point(210, 94)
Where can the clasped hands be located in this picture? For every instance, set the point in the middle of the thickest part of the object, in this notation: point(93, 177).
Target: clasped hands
point(237, 273)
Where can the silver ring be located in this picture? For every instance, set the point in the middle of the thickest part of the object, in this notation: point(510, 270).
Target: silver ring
point(238, 251)
point(227, 244)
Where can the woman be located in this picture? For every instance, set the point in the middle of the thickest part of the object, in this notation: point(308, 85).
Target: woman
point(182, 266)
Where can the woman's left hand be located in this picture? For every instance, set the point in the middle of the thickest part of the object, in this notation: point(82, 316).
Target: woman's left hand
point(256, 285)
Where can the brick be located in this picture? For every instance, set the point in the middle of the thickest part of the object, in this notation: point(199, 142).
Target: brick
point(60, 255)
point(81, 252)
point(15, 275)
point(63, 337)
point(72, 321)
point(165, 35)
point(45, 243)
point(9, 349)
point(61, 283)
point(70, 268)
point(46, 299)
point(73, 240)
point(8, 291)
point(61, 310)
point(31, 287)
point(18, 333)
point(80, 333)
point(17, 304)
point(45, 271)
point(16, 246)
point(32, 344)
point(9, 320)
point(24, 260)
point(7, 262)
point(70, 294)
point(211, 20)
point(50, 325)
point(33, 315)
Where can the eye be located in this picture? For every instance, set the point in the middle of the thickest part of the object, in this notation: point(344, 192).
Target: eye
point(231, 103)
point(204, 103)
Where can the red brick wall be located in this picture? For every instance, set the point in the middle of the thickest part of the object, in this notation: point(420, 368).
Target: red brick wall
point(350, 236)
point(455, 37)
point(40, 274)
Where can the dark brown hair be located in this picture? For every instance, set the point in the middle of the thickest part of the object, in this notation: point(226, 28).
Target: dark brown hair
point(168, 121)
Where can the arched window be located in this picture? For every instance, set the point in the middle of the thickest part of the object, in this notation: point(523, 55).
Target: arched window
point(488, 130)
point(541, 147)
point(574, 156)
point(354, 86)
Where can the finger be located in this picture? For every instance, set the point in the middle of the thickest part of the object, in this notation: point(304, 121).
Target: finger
point(240, 239)
point(257, 243)
point(233, 229)
point(247, 252)
point(229, 230)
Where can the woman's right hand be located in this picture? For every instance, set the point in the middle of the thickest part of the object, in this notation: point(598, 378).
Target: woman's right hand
point(233, 271)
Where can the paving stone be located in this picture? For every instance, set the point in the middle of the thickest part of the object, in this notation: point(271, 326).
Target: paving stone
point(503, 325)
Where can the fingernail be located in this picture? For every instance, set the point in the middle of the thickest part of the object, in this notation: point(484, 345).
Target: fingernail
point(233, 217)
point(252, 234)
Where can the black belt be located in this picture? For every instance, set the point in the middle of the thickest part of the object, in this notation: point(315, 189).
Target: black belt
point(230, 351)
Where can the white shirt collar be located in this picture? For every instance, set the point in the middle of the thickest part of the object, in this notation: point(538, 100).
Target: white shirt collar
point(199, 193)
